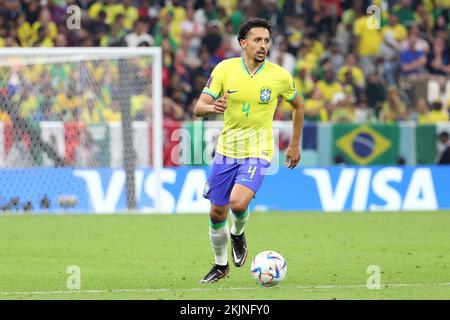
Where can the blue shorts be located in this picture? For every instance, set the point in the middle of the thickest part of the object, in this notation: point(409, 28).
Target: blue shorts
point(226, 172)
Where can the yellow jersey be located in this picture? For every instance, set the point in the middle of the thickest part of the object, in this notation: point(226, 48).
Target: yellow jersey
point(399, 31)
point(357, 74)
point(251, 104)
point(370, 37)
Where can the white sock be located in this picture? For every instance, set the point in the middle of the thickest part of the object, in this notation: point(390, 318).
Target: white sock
point(219, 235)
point(239, 221)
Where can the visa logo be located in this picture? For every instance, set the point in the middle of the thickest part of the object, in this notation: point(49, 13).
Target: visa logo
point(420, 193)
point(105, 191)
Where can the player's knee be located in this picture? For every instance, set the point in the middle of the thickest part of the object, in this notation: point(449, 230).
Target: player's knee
point(238, 207)
point(218, 213)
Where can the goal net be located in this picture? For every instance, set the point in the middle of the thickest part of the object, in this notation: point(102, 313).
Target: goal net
point(80, 129)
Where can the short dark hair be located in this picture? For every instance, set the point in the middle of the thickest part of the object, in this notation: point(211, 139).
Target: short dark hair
point(437, 105)
point(253, 23)
point(444, 135)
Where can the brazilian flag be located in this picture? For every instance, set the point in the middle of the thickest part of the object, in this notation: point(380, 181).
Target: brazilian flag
point(366, 144)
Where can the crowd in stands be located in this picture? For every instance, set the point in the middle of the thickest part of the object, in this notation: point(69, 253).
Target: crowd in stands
point(353, 61)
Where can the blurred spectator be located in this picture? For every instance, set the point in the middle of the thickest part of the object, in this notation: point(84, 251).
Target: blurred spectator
point(439, 59)
point(106, 6)
point(335, 55)
point(207, 13)
point(424, 19)
point(315, 107)
point(412, 61)
point(413, 74)
point(352, 67)
point(11, 42)
point(367, 41)
point(343, 108)
point(440, 26)
point(351, 87)
point(437, 114)
point(116, 38)
point(307, 59)
point(141, 104)
point(31, 10)
point(296, 32)
point(90, 112)
point(238, 16)
point(303, 81)
point(420, 43)
point(193, 30)
point(10, 7)
point(213, 37)
point(234, 48)
point(139, 34)
point(396, 29)
point(190, 57)
point(438, 89)
point(405, 12)
point(344, 32)
point(181, 77)
point(161, 33)
point(271, 13)
point(393, 109)
point(329, 86)
point(280, 55)
point(23, 31)
point(390, 53)
point(171, 16)
point(172, 110)
point(126, 9)
point(87, 153)
point(421, 114)
point(61, 40)
point(44, 30)
point(98, 25)
point(375, 93)
point(443, 156)
point(363, 114)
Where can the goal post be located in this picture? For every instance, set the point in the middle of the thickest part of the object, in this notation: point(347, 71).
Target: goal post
point(98, 84)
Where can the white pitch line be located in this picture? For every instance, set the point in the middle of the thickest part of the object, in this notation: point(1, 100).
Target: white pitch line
point(155, 290)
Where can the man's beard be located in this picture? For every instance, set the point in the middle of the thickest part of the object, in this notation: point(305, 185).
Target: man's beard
point(259, 59)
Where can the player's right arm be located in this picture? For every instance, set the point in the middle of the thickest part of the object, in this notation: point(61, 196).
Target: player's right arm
point(207, 105)
point(210, 101)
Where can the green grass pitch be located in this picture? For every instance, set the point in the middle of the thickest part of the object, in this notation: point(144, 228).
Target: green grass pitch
point(128, 256)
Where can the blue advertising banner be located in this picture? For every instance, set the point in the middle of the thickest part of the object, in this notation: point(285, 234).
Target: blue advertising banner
point(302, 189)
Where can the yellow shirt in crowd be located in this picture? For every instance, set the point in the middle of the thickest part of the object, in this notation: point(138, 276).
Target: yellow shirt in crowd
point(370, 39)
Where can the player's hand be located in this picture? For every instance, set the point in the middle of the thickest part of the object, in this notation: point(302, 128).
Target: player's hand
point(220, 104)
point(292, 156)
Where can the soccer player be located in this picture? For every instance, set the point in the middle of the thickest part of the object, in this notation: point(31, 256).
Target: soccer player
point(245, 90)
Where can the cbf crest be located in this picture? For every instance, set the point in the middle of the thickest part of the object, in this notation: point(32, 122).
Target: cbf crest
point(265, 95)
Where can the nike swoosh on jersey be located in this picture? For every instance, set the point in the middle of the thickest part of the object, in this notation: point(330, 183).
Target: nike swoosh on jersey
point(232, 91)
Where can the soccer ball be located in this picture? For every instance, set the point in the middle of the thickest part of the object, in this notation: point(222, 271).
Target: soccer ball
point(269, 268)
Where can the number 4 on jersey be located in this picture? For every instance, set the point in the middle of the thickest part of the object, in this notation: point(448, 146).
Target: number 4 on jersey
point(252, 171)
point(246, 109)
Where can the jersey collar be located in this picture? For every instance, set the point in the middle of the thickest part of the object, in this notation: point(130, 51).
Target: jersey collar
point(257, 70)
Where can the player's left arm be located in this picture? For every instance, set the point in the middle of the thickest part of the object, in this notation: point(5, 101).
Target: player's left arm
point(293, 154)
